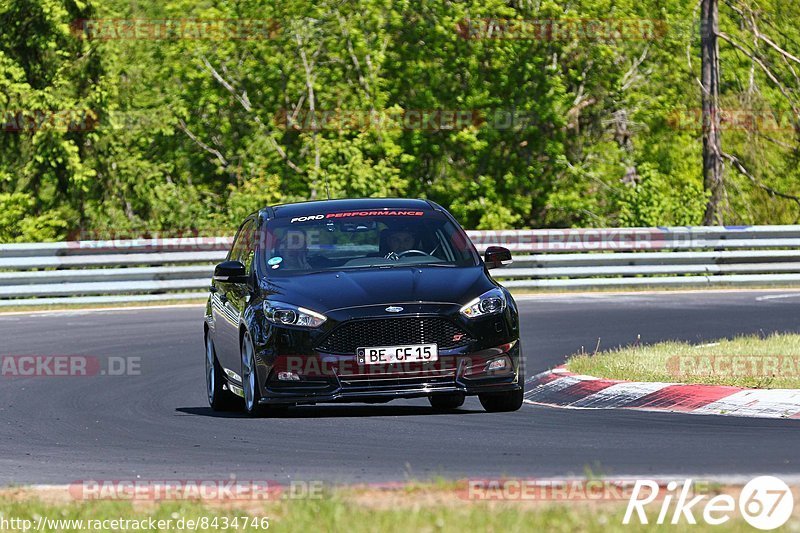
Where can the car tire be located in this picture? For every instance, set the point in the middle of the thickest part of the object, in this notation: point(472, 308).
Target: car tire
point(501, 402)
point(249, 374)
point(445, 402)
point(250, 385)
point(219, 397)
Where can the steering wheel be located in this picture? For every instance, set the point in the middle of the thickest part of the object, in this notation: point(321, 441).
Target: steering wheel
point(417, 252)
point(395, 255)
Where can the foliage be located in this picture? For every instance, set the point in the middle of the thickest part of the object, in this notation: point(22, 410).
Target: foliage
point(584, 129)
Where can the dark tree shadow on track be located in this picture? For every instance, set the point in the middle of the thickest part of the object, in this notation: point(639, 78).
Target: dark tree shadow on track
point(333, 411)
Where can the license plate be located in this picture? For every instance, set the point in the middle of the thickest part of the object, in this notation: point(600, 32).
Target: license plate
point(411, 353)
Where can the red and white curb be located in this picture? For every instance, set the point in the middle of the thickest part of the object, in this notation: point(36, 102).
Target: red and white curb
point(561, 388)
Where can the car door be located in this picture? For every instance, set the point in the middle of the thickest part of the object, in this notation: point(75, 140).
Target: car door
point(232, 299)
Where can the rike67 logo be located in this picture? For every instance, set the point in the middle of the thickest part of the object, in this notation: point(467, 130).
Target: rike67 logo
point(765, 503)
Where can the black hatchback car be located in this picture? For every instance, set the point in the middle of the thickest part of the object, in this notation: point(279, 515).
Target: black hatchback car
point(360, 301)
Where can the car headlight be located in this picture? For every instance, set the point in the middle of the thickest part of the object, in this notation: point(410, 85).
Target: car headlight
point(490, 302)
point(292, 315)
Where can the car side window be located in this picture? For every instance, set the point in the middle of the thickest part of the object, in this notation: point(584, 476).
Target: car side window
point(248, 246)
point(237, 244)
point(242, 242)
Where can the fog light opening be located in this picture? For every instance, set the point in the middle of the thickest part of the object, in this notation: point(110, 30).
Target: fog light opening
point(498, 364)
point(288, 376)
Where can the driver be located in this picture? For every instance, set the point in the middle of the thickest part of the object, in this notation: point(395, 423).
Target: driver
point(401, 240)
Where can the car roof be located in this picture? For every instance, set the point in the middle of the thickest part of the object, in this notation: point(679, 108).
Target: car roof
point(316, 207)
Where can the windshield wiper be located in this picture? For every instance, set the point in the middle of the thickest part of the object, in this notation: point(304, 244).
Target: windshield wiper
point(449, 265)
point(390, 265)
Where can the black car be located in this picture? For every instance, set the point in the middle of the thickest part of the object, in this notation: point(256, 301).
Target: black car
point(360, 301)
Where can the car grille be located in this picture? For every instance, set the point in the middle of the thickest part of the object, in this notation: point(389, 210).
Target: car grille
point(374, 383)
point(355, 334)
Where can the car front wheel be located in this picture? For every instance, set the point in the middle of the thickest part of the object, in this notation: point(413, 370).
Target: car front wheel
point(250, 387)
point(501, 402)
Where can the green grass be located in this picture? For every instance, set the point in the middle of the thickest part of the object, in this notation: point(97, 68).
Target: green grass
point(751, 361)
point(338, 514)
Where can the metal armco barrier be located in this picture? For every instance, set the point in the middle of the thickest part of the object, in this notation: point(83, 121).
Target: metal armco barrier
point(180, 268)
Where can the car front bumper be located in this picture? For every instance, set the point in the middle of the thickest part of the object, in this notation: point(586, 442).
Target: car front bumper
point(334, 378)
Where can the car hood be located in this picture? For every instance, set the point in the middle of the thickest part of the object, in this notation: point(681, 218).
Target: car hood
point(337, 289)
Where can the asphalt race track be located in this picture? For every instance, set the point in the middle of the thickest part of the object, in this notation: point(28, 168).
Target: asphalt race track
point(157, 425)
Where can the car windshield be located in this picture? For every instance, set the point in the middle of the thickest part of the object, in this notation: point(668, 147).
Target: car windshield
point(364, 239)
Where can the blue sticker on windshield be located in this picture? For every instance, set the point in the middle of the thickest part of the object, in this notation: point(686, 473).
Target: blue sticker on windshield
point(275, 260)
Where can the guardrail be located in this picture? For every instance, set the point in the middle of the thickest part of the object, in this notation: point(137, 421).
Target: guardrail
point(180, 268)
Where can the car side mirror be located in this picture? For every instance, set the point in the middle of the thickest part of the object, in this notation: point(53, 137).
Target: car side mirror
point(230, 272)
point(497, 256)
